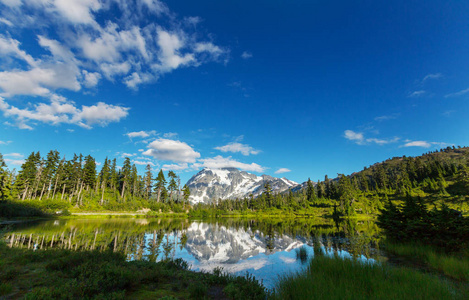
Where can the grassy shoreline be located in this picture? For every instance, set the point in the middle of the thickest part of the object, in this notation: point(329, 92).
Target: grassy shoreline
point(64, 274)
point(338, 278)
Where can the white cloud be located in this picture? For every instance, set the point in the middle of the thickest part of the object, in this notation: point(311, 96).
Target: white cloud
point(282, 170)
point(11, 3)
point(72, 11)
point(57, 50)
point(61, 110)
point(15, 162)
point(5, 142)
point(219, 162)
point(360, 139)
point(383, 141)
point(140, 134)
point(246, 55)
point(417, 144)
point(156, 6)
point(6, 22)
point(169, 135)
point(423, 144)
point(432, 76)
point(387, 117)
point(9, 46)
point(127, 155)
point(238, 147)
point(170, 56)
point(214, 50)
point(95, 39)
point(460, 93)
point(171, 150)
point(143, 163)
point(354, 136)
point(175, 167)
point(417, 93)
point(101, 114)
point(192, 20)
point(17, 155)
point(91, 79)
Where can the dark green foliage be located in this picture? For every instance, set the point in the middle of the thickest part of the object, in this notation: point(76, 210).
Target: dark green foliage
point(197, 291)
point(10, 209)
point(445, 228)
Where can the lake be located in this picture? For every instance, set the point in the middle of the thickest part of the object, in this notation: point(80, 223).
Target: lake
point(264, 248)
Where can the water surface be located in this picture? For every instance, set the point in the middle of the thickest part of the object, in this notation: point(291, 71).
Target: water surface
point(265, 249)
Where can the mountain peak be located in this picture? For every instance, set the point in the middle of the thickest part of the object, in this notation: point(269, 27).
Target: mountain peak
point(230, 183)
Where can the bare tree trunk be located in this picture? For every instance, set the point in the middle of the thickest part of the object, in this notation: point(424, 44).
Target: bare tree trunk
point(25, 192)
point(63, 192)
point(42, 191)
point(103, 186)
point(48, 188)
point(55, 186)
point(123, 189)
point(79, 194)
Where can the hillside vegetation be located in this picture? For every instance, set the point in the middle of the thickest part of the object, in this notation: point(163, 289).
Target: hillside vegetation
point(437, 178)
point(54, 184)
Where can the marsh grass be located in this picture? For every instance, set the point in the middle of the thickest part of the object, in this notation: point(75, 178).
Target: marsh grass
point(455, 266)
point(335, 278)
point(302, 254)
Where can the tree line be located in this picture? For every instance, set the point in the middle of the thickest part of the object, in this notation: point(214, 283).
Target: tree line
point(78, 183)
point(368, 190)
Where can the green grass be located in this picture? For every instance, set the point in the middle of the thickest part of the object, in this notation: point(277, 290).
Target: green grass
point(455, 266)
point(62, 274)
point(336, 278)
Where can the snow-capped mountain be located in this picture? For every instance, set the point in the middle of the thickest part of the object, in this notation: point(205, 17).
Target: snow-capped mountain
point(212, 243)
point(231, 183)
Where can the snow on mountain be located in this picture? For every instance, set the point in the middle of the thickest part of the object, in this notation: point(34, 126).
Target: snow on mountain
point(211, 243)
point(231, 183)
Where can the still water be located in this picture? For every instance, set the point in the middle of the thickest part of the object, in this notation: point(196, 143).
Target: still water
point(265, 249)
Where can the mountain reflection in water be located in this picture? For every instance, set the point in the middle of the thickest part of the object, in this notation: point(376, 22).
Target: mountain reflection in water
point(264, 248)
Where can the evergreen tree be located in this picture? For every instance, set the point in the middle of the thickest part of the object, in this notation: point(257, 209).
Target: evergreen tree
point(4, 180)
point(148, 181)
point(186, 192)
point(160, 187)
point(268, 194)
point(125, 176)
point(89, 172)
point(172, 185)
point(310, 193)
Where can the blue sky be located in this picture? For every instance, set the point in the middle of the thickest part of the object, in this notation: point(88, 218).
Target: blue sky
point(298, 89)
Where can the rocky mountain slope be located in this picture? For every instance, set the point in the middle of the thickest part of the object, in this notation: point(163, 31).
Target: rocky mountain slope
point(231, 183)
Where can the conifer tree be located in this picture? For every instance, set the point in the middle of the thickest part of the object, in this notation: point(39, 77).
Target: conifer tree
point(172, 185)
point(310, 193)
point(160, 187)
point(89, 172)
point(4, 178)
point(148, 181)
point(125, 176)
point(268, 194)
point(186, 194)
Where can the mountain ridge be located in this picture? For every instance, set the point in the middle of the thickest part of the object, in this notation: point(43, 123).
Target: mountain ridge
point(231, 183)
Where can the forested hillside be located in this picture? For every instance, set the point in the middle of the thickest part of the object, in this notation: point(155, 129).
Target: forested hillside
point(437, 177)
